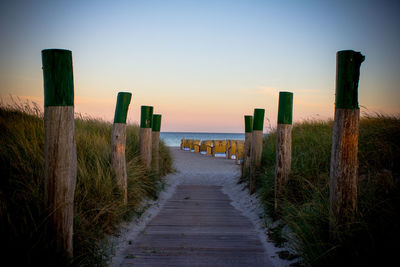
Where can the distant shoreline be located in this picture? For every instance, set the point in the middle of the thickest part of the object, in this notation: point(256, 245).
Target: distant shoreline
point(209, 133)
point(173, 139)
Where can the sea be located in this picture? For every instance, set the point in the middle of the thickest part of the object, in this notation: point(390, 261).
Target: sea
point(174, 138)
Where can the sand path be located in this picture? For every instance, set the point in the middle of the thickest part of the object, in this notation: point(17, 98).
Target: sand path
point(203, 218)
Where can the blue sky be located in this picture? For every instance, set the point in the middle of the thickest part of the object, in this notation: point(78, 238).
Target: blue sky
point(204, 64)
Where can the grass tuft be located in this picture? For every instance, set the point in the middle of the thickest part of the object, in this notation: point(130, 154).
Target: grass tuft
point(373, 239)
point(98, 202)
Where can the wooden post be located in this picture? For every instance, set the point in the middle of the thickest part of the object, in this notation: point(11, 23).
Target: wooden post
point(60, 147)
point(146, 118)
point(248, 122)
point(156, 143)
point(344, 161)
point(256, 147)
point(118, 143)
point(283, 143)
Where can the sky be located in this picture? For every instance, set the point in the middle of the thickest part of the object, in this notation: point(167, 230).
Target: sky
point(203, 65)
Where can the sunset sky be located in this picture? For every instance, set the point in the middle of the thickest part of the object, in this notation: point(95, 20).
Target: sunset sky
point(204, 64)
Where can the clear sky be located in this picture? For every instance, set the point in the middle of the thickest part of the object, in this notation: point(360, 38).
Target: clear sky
point(204, 64)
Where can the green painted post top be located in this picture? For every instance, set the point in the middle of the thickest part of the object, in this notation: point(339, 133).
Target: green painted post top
point(348, 64)
point(285, 109)
point(156, 122)
point(121, 109)
point(258, 119)
point(248, 123)
point(146, 117)
point(58, 77)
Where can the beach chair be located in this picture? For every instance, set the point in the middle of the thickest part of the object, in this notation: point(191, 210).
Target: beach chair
point(196, 146)
point(203, 146)
point(231, 154)
point(228, 145)
point(239, 152)
point(183, 143)
point(191, 145)
point(219, 148)
point(209, 148)
point(188, 145)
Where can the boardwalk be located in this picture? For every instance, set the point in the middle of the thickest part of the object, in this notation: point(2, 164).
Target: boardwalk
point(197, 226)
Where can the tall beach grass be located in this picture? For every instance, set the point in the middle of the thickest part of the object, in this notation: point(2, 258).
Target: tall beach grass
point(98, 207)
point(374, 236)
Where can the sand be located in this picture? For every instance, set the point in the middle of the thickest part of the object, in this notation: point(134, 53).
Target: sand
point(196, 169)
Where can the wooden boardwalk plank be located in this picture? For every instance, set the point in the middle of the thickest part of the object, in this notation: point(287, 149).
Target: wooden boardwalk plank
point(197, 227)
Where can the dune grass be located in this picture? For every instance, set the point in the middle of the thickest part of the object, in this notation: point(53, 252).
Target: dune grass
point(98, 207)
point(374, 236)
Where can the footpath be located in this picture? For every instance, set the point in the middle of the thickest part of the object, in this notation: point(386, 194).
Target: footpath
point(204, 218)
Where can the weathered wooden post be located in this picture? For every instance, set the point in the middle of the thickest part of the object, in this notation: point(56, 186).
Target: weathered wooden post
point(118, 142)
point(59, 148)
point(256, 147)
point(146, 118)
point(248, 129)
point(344, 161)
point(283, 143)
point(156, 143)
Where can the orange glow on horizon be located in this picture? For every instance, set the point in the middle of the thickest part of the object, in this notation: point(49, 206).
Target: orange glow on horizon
point(187, 117)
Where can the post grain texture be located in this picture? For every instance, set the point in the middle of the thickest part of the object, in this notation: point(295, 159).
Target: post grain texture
point(156, 127)
point(256, 147)
point(60, 147)
point(118, 143)
point(146, 118)
point(248, 121)
point(344, 161)
point(283, 144)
